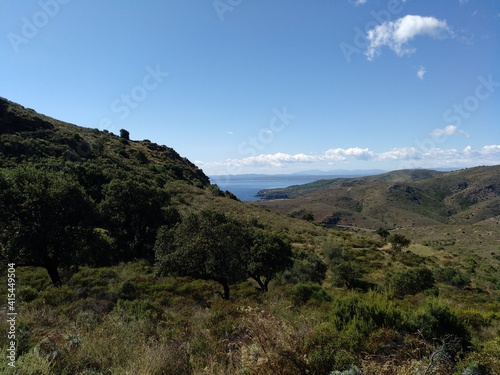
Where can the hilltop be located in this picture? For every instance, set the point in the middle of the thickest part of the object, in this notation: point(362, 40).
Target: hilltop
point(403, 198)
point(31, 138)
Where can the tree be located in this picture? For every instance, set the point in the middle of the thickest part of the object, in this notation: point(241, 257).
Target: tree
point(124, 134)
point(383, 233)
point(46, 220)
point(133, 214)
point(267, 256)
point(345, 274)
point(398, 241)
point(208, 245)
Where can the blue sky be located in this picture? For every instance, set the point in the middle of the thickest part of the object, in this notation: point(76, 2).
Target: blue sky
point(274, 86)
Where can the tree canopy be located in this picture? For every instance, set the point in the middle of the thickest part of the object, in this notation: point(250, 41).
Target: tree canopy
point(268, 255)
point(207, 246)
point(46, 220)
point(398, 241)
point(212, 246)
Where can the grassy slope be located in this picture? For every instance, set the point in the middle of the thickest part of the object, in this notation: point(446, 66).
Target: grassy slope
point(124, 320)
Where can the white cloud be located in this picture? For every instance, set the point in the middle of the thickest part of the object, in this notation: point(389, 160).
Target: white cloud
point(396, 34)
point(421, 72)
point(405, 153)
point(448, 130)
point(353, 152)
point(412, 156)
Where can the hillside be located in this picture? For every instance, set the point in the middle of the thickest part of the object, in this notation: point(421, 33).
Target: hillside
point(27, 137)
point(115, 251)
point(402, 198)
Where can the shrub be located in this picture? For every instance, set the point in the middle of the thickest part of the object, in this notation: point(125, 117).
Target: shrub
point(329, 349)
point(437, 321)
point(451, 276)
point(305, 291)
point(306, 268)
point(411, 281)
point(366, 312)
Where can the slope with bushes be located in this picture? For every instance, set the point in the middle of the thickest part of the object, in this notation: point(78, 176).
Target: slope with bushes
point(396, 199)
point(142, 243)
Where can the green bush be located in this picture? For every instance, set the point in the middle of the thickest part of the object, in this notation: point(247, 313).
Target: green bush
point(346, 274)
point(306, 291)
point(451, 276)
point(437, 321)
point(328, 349)
point(411, 281)
point(306, 268)
point(367, 312)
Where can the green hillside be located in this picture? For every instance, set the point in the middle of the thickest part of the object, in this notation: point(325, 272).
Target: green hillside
point(403, 198)
point(120, 257)
point(28, 137)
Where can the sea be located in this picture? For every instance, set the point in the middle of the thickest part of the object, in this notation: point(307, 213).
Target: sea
point(246, 187)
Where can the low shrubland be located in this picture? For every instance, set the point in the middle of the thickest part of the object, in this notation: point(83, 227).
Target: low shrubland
point(126, 320)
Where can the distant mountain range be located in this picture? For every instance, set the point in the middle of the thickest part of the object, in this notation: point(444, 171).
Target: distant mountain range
point(395, 199)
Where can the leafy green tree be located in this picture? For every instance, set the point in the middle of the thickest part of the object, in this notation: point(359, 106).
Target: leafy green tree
point(398, 241)
point(207, 245)
point(133, 214)
point(383, 233)
point(345, 274)
point(46, 221)
point(267, 256)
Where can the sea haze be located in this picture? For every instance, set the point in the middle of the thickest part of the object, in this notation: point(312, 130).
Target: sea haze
point(246, 186)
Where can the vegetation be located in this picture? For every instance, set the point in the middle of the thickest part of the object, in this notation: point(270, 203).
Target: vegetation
point(404, 198)
point(119, 246)
point(398, 241)
point(383, 233)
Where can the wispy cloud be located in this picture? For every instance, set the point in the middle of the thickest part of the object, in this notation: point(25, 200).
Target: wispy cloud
point(358, 2)
point(448, 130)
point(396, 34)
point(468, 155)
point(421, 72)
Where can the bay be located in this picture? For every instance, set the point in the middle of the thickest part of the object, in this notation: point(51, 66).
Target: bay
point(245, 187)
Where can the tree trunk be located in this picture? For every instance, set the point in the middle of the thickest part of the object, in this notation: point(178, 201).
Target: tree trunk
point(266, 284)
point(225, 286)
point(262, 286)
point(53, 273)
